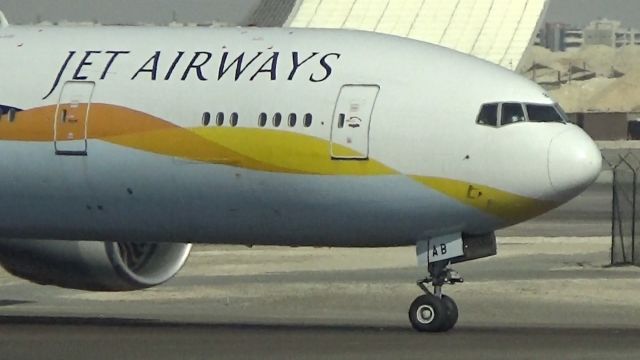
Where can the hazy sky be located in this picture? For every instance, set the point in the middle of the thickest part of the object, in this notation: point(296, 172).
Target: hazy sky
point(578, 12)
point(581, 12)
point(127, 11)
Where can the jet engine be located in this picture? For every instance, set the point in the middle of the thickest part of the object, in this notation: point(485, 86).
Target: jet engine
point(95, 266)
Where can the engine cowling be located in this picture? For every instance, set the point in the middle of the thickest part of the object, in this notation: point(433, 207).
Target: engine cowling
point(96, 266)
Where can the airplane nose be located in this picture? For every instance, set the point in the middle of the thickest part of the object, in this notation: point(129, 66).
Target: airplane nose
point(574, 162)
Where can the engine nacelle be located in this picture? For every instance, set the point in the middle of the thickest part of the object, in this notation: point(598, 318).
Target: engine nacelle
point(96, 266)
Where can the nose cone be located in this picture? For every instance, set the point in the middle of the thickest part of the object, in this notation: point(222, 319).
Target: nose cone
point(574, 162)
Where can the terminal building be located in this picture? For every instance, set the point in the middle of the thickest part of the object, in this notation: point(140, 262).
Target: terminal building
point(499, 31)
point(563, 37)
point(610, 33)
point(560, 37)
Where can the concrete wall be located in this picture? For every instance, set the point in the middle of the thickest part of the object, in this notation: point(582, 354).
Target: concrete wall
point(603, 126)
point(599, 37)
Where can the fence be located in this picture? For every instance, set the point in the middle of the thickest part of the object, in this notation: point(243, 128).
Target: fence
point(624, 212)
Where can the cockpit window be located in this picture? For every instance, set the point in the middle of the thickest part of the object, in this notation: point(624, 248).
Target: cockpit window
point(544, 113)
point(512, 113)
point(502, 114)
point(488, 115)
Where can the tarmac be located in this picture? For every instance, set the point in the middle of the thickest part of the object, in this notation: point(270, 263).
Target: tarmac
point(541, 297)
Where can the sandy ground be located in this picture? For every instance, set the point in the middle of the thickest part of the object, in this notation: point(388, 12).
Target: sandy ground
point(601, 93)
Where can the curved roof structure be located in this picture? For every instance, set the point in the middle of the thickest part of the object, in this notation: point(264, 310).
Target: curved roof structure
point(495, 30)
point(3, 20)
point(273, 13)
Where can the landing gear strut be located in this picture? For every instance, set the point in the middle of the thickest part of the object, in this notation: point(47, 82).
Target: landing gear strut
point(435, 312)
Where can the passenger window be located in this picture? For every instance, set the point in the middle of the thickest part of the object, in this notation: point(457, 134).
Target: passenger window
point(277, 120)
point(206, 118)
point(308, 119)
point(234, 119)
point(512, 113)
point(262, 120)
point(293, 119)
point(488, 115)
point(543, 113)
point(12, 115)
point(220, 119)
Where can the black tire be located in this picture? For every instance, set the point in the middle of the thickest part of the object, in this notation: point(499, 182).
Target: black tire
point(427, 313)
point(451, 313)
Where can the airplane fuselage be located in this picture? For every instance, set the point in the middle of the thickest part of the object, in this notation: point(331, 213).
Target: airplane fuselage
point(263, 136)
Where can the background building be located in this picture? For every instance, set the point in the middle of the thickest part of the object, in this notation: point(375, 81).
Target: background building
point(563, 37)
point(610, 33)
point(560, 37)
point(499, 31)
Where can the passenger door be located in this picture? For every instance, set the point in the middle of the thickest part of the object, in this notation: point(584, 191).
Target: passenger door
point(72, 118)
point(351, 122)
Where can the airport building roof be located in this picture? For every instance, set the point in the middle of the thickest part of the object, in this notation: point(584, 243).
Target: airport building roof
point(495, 30)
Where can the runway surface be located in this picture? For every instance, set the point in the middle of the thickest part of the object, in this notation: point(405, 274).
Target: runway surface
point(101, 340)
point(541, 297)
point(587, 215)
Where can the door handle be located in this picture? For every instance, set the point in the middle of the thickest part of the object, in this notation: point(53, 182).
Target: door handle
point(354, 122)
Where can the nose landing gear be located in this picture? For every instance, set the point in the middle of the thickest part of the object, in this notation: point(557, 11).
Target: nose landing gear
point(434, 311)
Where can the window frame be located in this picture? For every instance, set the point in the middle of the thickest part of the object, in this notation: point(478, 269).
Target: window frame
point(562, 112)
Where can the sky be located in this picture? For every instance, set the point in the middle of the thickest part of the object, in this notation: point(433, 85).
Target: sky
point(581, 12)
point(127, 11)
point(577, 12)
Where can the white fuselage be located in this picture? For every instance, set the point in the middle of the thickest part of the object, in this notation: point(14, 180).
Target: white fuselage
point(409, 160)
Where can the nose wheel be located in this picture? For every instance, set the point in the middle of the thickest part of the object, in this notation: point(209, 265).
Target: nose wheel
point(433, 311)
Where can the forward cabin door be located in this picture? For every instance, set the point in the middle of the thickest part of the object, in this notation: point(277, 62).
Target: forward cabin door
point(72, 118)
point(351, 122)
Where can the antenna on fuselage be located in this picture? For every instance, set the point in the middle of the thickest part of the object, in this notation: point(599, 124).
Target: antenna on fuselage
point(3, 20)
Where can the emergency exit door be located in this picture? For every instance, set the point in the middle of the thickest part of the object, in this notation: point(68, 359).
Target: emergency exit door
point(351, 122)
point(72, 118)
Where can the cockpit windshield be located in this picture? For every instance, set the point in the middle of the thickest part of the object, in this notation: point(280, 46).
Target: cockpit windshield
point(489, 115)
point(512, 113)
point(504, 114)
point(543, 113)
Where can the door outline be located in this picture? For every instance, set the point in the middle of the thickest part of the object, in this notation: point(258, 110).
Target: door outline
point(352, 122)
point(59, 143)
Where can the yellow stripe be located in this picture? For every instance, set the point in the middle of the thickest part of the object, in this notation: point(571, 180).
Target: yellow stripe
point(298, 153)
point(510, 207)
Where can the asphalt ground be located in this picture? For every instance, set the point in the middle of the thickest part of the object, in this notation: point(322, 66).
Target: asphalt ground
point(587, 215)
point(118, 340)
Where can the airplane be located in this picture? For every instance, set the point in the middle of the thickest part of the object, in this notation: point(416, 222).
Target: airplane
point(122, 146)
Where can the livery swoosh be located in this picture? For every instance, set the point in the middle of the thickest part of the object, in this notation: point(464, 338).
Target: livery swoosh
point(256, 149)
